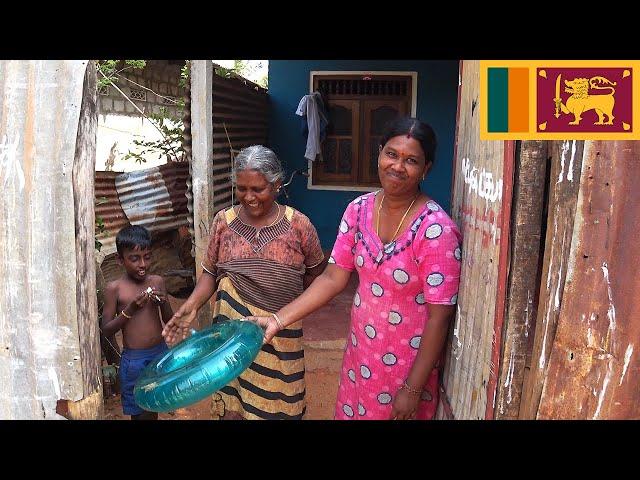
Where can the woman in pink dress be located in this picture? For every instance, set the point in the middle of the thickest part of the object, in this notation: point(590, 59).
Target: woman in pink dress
point(406, 251)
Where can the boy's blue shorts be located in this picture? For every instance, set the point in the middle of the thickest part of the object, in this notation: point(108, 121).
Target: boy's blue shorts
point(132, 363)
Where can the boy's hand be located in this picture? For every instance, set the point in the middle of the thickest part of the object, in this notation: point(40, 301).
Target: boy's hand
point(158, 296)
point(141, 300)
point(177, 328)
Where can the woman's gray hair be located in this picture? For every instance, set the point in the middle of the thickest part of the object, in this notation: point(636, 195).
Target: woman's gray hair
point(261, 159)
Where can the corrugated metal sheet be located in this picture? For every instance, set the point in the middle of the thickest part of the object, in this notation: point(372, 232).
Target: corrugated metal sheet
point(593, 370)
point(187, 145)
point(108, 209)
point(481, 185)
point(241, 107)
point(155, 198)
point(39, 342)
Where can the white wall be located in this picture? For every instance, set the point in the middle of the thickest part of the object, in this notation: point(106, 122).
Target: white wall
point(116, 134)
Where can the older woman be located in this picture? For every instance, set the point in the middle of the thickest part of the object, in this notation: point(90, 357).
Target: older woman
point(260, 257)
point(406, 251)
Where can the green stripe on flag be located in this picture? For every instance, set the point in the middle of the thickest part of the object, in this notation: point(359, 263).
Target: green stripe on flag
point(498, 102)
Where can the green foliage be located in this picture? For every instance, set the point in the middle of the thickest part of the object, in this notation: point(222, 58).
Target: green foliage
point(240, 66)
point(224, 72)
point(139, 64)
point(100, 226)
point(244, 69)
point(172, 130)
point(185, 73)
point(264, 82)
point(109, 69)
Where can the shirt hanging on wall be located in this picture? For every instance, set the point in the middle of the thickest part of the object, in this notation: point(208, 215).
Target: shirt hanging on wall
point(314, 123)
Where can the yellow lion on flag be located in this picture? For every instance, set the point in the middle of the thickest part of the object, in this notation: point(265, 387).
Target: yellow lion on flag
point(581, 101)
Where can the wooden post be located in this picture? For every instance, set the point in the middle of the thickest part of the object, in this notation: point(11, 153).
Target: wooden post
point(91, 406)
point(480, 206)
point(202, 164)
point(48, 342)
point(524, 277)
point(564, 185)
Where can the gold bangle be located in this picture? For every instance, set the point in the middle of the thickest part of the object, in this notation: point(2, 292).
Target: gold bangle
point(125, 315)
point(280, 324)
point(410, 390)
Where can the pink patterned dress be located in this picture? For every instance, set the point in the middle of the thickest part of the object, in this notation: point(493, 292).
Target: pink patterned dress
point(389, 313)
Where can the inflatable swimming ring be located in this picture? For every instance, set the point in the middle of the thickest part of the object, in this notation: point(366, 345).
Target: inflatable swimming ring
point(198, 366)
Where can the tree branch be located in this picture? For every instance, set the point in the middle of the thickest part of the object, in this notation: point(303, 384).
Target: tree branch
point(143, 114)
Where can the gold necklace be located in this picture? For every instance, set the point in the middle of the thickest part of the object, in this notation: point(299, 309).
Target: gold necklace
point(401, 221)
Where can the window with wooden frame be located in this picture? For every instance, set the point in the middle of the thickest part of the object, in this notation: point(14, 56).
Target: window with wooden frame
point(359, 106)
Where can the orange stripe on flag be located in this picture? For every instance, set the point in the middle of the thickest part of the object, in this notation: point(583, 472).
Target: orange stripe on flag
point(518, 100)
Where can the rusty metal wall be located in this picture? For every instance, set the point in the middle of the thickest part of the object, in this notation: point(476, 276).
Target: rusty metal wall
point(243, 108)
point(108, 209)
point(593, 370)
point(154, 198)
point(480, 187)
point(563, 186)
point(187, 145)
point(39, 341)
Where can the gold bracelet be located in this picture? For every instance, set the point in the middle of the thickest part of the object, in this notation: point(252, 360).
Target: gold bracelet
point(280, 324)
point(125, 315)
point(410, 390)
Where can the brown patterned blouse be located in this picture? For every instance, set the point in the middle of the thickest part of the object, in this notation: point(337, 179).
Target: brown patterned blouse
point(267, 265)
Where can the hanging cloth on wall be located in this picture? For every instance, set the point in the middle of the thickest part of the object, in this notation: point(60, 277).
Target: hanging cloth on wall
point(314, 123)
point(323, 113)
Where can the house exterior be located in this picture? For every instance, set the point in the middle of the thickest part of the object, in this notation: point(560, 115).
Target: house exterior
point(361, 94)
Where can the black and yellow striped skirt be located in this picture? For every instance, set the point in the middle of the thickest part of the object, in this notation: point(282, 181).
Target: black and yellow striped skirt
point(273, 387)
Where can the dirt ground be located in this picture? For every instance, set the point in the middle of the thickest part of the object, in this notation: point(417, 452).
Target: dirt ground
point(322, 388)
point(197, 411)
point(324, 339)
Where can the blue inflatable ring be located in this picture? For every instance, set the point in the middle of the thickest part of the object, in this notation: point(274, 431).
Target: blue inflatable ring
point(198, 366)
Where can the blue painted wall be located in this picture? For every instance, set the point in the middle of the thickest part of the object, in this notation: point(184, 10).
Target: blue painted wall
point(436, 104)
